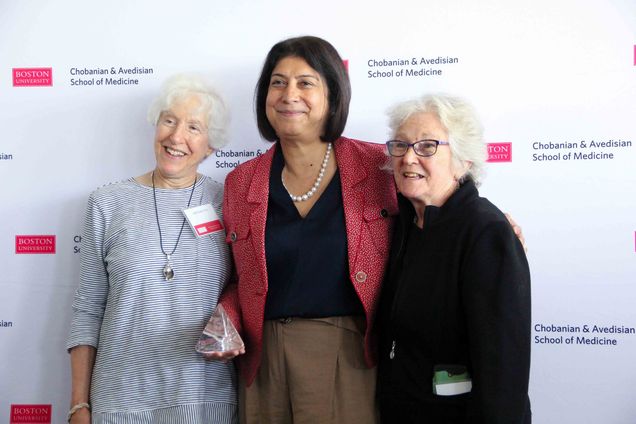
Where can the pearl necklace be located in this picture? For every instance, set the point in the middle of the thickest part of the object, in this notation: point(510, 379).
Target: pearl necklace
point(313, 188)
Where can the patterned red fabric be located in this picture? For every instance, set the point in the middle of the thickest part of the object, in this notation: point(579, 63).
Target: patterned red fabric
point(370, 207)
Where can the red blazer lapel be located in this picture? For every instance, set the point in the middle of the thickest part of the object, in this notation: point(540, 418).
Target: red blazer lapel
point(352, 173)
point(257, 197)
point(370, 207)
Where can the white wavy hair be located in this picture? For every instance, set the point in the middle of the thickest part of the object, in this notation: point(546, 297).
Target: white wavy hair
point(181, 86)
point(465, 132)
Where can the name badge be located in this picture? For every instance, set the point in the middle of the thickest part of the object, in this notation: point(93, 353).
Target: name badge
point(451, 380)
point(203, 220)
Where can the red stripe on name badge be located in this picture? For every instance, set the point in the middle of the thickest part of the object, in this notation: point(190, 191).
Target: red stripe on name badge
point(208, 227)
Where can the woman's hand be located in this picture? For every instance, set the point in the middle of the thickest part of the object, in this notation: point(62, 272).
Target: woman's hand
point(82, 361)
point(518, 232)
point(81, 416)
point(223, 356)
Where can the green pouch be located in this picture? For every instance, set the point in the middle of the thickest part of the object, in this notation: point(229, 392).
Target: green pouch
point(451, 380)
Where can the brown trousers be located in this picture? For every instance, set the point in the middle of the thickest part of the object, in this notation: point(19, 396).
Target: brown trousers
point(312, 371)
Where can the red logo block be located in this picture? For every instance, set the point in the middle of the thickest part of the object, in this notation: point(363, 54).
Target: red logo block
point(34, 244)
point(32, 77)
point(499, 152)
point(30, 414)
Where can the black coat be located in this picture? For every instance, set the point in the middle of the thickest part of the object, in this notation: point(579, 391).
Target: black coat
point(456, 292)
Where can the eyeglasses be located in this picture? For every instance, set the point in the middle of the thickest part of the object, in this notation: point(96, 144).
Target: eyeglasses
point(424, 148)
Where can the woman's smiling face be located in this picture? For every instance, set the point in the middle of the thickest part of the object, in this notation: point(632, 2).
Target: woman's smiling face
point(181, 139)
point(424, 180)
point(297, 100)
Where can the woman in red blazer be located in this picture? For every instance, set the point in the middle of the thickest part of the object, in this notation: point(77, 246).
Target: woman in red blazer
point(309, 223)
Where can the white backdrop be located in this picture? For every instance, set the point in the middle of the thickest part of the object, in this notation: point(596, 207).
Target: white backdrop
point(549, 77)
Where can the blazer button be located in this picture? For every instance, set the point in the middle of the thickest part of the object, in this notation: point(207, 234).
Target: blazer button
point(384, 213)
point(361, 276)
point(233, 236)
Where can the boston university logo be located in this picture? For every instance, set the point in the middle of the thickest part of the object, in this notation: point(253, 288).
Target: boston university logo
point(30, 414)
point(499, 152)
point(32, 77)
point(34, 244)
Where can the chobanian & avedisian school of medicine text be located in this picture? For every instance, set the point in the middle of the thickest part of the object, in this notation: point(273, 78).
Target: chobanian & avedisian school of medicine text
point(594, 335)
point(115, 75)
point(582, 150)
point(408, 67)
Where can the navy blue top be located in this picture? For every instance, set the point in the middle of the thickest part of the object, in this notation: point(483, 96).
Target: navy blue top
point(307, 266)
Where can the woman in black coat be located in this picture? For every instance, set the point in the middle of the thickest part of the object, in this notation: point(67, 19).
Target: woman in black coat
point(454, 316)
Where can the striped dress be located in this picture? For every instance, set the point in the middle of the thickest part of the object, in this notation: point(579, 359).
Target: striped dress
point(145, 328)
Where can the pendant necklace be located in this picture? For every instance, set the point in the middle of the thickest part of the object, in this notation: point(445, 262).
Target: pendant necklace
point(168, 271)
point(312, 190)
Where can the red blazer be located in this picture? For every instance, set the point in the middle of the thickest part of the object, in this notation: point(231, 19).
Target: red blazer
point(370, 206)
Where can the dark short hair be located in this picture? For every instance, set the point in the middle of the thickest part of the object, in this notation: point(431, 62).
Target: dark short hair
point(322, 57)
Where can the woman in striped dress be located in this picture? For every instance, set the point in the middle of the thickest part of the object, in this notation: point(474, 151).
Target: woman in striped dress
point(148, 283)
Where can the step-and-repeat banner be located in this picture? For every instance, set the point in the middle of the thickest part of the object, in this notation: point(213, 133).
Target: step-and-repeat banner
point(554, 82)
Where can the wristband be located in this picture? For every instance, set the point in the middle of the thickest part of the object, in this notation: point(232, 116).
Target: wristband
point(76, 408)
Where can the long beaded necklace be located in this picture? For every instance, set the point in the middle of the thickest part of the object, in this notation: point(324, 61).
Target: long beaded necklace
point(314, 187)
point(168, 271)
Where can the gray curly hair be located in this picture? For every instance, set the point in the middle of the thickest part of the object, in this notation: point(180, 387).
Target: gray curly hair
point(181, 86)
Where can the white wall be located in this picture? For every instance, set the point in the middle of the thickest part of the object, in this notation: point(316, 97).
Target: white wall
point(542, 71)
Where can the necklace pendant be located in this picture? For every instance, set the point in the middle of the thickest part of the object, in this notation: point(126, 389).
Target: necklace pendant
point(168, 272)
